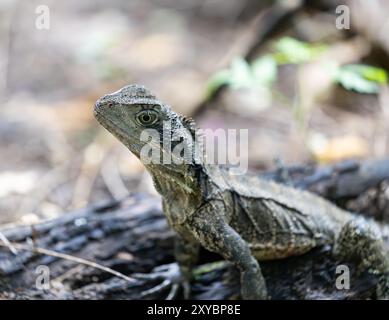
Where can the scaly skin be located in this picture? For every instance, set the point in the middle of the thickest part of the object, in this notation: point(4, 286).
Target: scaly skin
point(241, 217)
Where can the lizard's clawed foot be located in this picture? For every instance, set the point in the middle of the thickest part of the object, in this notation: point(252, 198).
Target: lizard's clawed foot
point(170, 277)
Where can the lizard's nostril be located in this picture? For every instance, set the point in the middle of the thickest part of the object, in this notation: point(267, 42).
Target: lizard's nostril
point(96, 107)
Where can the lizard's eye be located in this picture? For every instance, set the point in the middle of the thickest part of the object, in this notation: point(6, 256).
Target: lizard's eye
point(147, 117)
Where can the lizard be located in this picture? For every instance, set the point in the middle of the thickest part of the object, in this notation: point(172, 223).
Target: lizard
point(242, 217)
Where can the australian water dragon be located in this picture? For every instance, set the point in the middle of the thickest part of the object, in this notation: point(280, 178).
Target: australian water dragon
point(241, 217)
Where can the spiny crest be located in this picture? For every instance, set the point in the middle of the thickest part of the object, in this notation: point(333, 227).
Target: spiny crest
point(189, 124)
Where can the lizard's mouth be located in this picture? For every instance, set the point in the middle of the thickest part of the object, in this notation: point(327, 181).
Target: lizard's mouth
point(96, 110)
point(110, 125)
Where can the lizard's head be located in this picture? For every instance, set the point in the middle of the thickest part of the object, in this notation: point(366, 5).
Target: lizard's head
point(137, 118)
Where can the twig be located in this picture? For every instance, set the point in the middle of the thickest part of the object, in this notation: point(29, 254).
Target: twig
point(93, 157)
point(8, 244)
point(69, 273)
point(66, 257)
point(111, 176)
point(47, 183)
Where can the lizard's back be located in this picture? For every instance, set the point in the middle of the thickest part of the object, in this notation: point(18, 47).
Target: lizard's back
point(277, 221)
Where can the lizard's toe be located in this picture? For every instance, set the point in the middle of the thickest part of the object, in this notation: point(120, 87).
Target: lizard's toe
point(170, 277)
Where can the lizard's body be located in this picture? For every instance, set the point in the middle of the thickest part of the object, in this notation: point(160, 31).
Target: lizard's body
point(241, 217)
point(291, 221)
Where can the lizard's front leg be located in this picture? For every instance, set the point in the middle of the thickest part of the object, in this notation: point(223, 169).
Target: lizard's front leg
point(186, 253)
point(216, 235)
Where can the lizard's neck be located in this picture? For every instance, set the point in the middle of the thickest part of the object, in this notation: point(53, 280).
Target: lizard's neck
point(182, 191)
point(178, 183)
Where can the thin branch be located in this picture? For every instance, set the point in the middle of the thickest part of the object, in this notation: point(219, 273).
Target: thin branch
point(66, 257)
point(8, 244)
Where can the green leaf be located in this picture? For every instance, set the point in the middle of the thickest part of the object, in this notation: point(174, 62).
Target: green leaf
point(289, 50)
point(261, 73)
point(241, 76)
point(374, 74)
point(264, 70)
point(361, 78)
point(216, 81)
point(238, 76)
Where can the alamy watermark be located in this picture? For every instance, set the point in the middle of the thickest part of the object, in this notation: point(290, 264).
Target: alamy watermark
point(42, 281)
point(343, 18)
point(206, 146)
point(42, 21)
point(343, 279)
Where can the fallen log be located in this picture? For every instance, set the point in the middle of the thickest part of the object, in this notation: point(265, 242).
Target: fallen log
point(92, 253)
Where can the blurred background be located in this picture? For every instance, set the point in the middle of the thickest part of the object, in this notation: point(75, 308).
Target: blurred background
point(309, 87)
